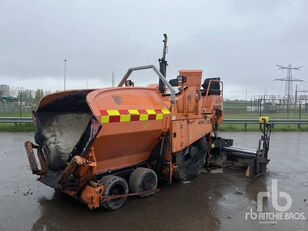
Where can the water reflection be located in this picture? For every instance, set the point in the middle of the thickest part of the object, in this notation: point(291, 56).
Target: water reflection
point(178, 206)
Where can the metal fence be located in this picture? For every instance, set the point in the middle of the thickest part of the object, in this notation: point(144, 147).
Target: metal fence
point(237, 114)
point(12, 106)
point(235, 109)
point(19, 101)
point(254, 109)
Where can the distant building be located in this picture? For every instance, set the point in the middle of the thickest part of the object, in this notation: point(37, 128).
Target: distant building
point(4, 90)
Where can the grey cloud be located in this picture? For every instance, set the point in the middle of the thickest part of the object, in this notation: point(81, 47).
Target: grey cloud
point(240, 41)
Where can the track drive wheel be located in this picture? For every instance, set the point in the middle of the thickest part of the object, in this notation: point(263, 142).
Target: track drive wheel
point(191, 160)
point(143, 179)
point(114, 185)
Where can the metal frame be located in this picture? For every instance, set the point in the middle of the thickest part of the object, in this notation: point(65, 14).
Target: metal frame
point(32, 160)
point(154, 68)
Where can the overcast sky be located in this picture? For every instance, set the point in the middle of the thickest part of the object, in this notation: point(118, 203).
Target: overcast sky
point(240, 41)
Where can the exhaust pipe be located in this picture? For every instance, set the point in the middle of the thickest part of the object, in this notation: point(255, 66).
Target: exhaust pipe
point(163, 64)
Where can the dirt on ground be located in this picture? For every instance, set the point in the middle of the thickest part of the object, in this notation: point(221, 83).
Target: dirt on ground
point(216, 200)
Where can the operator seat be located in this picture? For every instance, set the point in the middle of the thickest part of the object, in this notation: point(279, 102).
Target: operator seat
point(214, 88)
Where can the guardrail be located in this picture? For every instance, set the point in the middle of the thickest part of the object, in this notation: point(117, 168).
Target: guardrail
point(226, 121)
point(274, 122)
point(16, 120)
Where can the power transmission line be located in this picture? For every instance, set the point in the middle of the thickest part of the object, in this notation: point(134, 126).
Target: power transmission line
point(288, 94)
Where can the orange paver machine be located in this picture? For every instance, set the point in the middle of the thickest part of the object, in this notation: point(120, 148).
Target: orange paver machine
point(103, 145)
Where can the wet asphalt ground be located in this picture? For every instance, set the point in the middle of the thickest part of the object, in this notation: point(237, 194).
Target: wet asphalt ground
point(213, 201)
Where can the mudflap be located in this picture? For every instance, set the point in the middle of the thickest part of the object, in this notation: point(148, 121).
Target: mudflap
point(51, 178)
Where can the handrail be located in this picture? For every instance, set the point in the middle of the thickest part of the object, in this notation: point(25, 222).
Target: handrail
point(161, 77)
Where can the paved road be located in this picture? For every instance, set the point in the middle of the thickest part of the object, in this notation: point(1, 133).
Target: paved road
point(211, 202)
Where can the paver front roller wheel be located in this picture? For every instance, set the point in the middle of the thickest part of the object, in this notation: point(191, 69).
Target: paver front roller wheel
point(114, 185)
point(191, 160)
point(143, 179)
